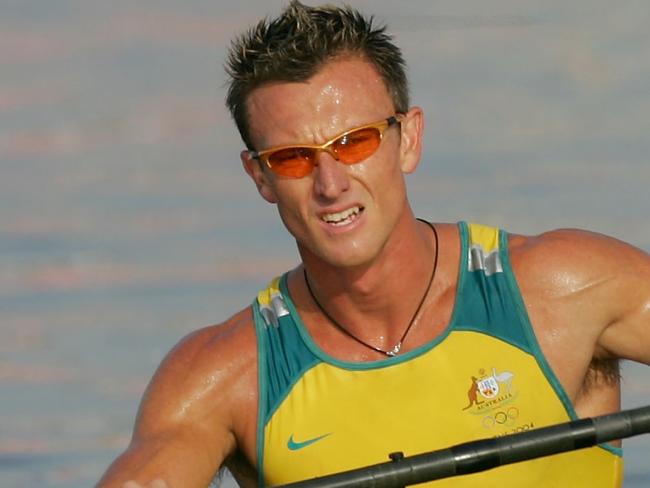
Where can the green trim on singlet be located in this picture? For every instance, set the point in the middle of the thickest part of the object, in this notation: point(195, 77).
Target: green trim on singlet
point(532, 340)
point(285, 342)
point(617, 451)
point(486, 307)
point(529, 331)
point(261, 390)
point(276, 377)
point(321, 355)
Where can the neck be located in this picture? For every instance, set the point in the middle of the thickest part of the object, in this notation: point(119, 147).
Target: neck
point(374, 293)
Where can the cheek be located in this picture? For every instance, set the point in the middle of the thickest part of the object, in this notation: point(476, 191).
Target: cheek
point(380, 175)
point(292, 199)
point(289, 193)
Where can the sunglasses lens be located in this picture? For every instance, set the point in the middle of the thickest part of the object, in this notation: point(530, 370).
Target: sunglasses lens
point(293, 162)
point(358, 145)
point(350, 148)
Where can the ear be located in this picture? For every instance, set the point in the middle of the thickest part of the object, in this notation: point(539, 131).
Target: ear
point(261, 178)
point(412, 126)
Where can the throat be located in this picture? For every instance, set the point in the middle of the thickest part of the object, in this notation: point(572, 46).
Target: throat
point(349, 331)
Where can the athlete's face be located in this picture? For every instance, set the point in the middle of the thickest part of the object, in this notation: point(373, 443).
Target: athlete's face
point(341, 214)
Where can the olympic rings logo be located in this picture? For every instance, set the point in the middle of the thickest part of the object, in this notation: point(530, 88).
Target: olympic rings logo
point(502, 417)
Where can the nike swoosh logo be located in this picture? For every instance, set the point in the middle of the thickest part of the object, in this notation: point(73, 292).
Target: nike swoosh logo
point(294, 446)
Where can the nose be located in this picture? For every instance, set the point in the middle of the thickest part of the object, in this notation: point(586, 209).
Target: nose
point(330, 176)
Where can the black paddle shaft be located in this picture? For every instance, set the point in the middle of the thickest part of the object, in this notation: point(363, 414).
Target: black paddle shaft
point(471, 457)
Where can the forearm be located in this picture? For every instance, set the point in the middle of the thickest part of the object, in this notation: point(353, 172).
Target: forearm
point(178, 466)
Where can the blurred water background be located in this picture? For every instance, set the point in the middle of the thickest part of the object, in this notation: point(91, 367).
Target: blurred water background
point(126, 220)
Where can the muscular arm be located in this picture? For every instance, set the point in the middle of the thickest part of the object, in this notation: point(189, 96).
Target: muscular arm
point(588, 297)
point(192, 415)
point(627, 334)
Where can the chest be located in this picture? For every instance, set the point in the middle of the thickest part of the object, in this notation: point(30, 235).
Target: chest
point(468, 386)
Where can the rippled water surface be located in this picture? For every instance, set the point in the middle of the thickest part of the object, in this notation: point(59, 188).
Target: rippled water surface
point(126, 220)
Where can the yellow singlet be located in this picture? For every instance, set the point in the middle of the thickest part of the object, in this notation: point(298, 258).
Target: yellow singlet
point(485, 376)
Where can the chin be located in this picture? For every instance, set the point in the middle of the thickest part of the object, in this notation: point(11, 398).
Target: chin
point(348, 255)
point(347, 261)
point(347, 249)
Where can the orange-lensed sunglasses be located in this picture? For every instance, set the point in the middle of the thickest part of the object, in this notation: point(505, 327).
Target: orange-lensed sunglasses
point(349, 147)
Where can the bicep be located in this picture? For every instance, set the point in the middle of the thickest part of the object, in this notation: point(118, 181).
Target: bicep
point(597, 285)
point(627, 335)
point(182, 432)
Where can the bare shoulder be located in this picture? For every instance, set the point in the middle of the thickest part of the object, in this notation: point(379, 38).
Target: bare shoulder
point(205, 374)
point(599, 284)
point(588, 299)
point(200, 407)
point(212, 346)
point(578, 252)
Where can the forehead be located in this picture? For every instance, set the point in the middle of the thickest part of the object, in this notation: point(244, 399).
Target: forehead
point(342, 94)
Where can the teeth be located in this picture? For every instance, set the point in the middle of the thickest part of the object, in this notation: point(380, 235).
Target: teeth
point(341, 218)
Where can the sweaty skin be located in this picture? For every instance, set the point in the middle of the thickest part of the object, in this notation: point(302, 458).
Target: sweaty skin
point(588, 295)
point(376, 185)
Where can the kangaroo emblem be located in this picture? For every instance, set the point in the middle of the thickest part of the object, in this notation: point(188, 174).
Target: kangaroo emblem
point(472, 394)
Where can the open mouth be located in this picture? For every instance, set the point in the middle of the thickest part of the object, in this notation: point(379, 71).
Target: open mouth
point(342, 218)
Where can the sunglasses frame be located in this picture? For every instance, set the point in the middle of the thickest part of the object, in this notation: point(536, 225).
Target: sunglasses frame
point(381, 126)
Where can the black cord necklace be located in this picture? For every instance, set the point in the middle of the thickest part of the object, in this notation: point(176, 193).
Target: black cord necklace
point(396, 348)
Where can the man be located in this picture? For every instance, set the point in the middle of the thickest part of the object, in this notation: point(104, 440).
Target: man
point(393, 334)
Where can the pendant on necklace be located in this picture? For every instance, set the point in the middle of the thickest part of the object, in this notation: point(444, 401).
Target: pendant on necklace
point(395, 350)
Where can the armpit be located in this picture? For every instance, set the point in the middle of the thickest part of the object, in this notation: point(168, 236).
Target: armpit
point(601, 372)
point(241, 470)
